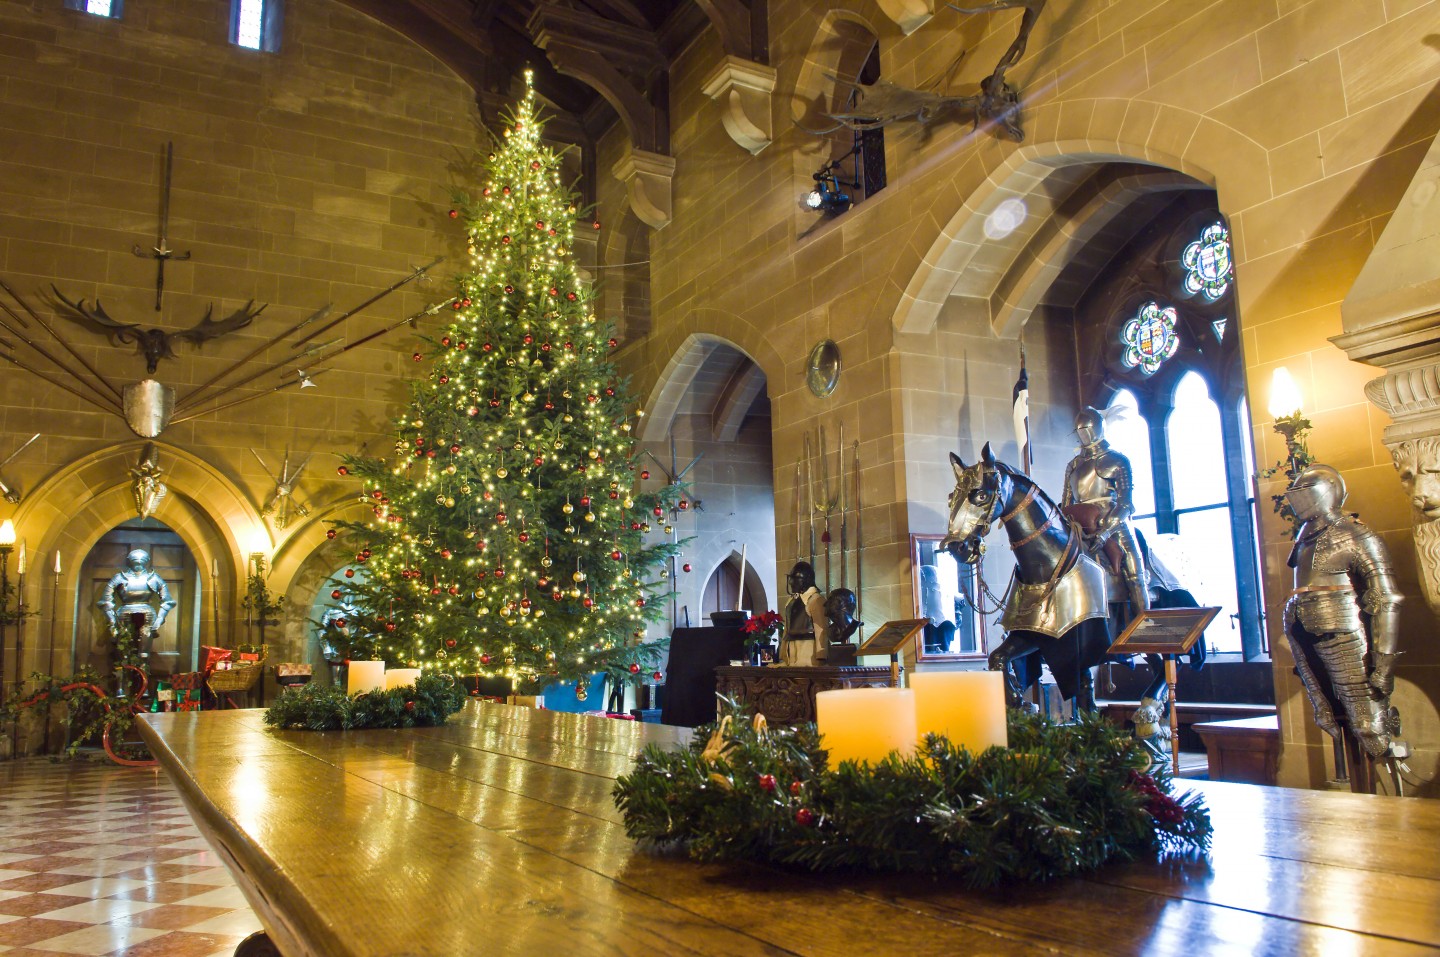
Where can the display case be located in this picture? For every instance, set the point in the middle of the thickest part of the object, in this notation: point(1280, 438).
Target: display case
point(945, 592)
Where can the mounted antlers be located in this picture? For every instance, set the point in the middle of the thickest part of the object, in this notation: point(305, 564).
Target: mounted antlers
point(155, 343)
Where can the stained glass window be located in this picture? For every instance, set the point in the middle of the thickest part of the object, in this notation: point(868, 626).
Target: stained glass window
point(1149, 337)
point(98, 7)
point(1219, 326)
point(1208, 268)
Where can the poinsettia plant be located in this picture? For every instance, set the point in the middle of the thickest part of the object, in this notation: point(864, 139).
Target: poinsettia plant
point(763, 627)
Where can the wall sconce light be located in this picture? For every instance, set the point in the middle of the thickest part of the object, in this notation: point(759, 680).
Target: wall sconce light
point(1290, 421)
point(828, 196)
point(7, 536)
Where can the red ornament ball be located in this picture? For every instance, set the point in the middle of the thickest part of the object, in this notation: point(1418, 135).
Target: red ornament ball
point(389, 626)
point(484, 659)
point(766, 782)
point(639, 603)
point(659, 511)
point(657, 676)
point(449, 642)
point(527, 338)
point(444, 553)
point(585, 500)
point(417, 357)
point(612, 342)
point(505, 239)
point(335, 594)
point(349, 573)
point(644, 473)
point(454, 450)
point(539, 224)
point(684, 505)
point(444, 340)
point(342, 470)
point(409, 706)
point(686, 567)
point(596, 224)
point(534, 164)
point(486, 347)
point(795, 787)
point(615, 554)
point(435, 590)
point(587, 602)
point(444, 379)
point(330, 534)
point(571, 296)
point(554, 291)
point(634, 668)
point(524, 537)
point(805, 817)
point(454, 213)
point(485, 191)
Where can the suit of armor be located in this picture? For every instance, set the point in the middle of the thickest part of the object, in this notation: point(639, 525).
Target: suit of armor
point(1098, 487)
point(131, 592)
point(1342, 618)
point(798, 647)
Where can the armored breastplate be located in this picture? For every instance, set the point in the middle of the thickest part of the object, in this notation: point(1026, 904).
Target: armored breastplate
point(1080, 594)
point(1324, 598)
point(1088, 485)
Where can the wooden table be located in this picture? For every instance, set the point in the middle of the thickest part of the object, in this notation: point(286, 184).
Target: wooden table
point(496, 834)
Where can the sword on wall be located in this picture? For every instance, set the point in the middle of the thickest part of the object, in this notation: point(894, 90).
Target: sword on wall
point(162, 250)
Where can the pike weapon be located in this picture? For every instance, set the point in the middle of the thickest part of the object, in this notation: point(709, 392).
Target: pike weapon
point(859, 540)
point(12, 496)
point(56, 382)
point(193, 396)
point(104, 401)
point(312, 372)
point(844, 540)
point(46, 326)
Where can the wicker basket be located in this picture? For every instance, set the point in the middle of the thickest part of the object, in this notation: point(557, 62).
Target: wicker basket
point(236, 679)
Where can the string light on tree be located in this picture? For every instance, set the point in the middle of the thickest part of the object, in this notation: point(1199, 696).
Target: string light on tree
point(475, 513)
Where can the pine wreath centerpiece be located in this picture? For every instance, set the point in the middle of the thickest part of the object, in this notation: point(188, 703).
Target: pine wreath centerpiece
point(314, 707)
point(1060, 801)
point(509, 535)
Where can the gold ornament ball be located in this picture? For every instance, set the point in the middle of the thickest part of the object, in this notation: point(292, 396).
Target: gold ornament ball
point(546, 562)
point(501, 472)
point(567, 508)
point(578, 576)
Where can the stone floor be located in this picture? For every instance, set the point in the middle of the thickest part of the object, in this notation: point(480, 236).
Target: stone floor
point(100, 860)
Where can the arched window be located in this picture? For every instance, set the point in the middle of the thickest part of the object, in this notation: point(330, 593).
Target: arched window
point(1170, 364)
point(1202, 504)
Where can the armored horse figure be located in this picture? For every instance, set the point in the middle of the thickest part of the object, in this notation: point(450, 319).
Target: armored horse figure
point(1058, 602)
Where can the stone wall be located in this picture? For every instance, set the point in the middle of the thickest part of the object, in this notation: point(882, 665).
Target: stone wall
point(1307, 118)
point(317, 175)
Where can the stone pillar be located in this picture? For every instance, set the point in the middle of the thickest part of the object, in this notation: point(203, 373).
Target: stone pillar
point(1391, 319)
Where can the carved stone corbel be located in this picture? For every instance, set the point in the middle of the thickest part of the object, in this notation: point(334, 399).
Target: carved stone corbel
point(648, 177)
point(743, 88)
point(910, 15)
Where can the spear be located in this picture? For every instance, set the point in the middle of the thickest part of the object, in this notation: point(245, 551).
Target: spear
point(314, 317)
point(55, 382)
point(810, 488)
point(840, 464)
point(312, 373)
point(796, 510)
point(46, 326)
point(54, 613)
point(105, 400)
point(859, 541)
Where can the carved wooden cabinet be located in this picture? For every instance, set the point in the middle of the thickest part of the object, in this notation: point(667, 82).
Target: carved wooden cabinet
point(787, 695)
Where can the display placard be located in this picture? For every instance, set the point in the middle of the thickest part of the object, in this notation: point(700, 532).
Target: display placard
point(1164, 631)
point(891, 636)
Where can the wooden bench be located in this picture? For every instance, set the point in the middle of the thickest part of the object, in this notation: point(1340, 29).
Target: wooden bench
point(497, 834)
point(1244, 750)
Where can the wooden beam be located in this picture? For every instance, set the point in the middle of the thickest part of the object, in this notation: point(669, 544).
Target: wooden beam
point(733, 21)
point(625, 48)
point(642, 120)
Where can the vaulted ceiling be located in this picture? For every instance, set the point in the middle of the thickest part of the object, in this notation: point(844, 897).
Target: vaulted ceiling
point(595, 61)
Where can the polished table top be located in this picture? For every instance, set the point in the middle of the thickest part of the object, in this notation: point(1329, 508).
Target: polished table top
point(496, 834)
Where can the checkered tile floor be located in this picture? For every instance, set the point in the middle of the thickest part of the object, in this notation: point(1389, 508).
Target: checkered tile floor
point(100, 860)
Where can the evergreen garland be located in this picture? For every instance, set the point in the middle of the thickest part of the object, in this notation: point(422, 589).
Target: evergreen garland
point(320, 708)
point(1061, 800)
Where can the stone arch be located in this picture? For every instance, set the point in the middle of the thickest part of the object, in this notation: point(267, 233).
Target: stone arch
point(675, 379)
point(74, 508)
point(964, 261)
point(823, 59)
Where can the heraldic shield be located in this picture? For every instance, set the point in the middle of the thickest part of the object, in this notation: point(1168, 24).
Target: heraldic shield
point(148, 405)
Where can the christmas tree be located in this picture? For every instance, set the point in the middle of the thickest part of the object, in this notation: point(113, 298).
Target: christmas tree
point(509, 537)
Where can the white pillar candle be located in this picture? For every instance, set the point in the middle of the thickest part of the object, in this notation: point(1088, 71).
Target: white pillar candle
point(401, 677)
point(865, 724)
point(968, 707)
point(365, 676)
